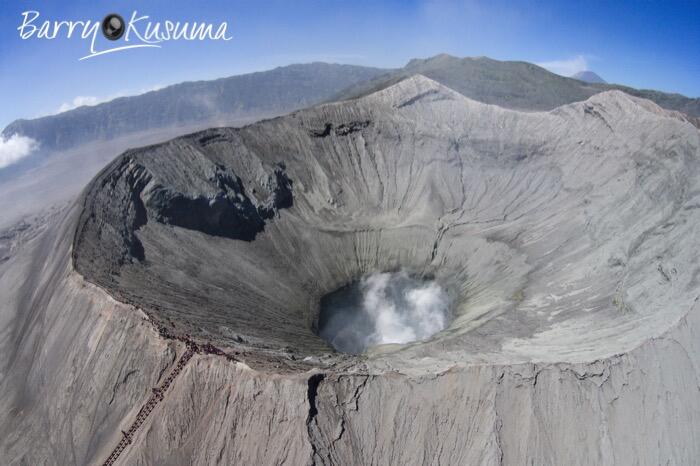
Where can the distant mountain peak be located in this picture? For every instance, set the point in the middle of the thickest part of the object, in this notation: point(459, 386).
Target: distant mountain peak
point(589, 77)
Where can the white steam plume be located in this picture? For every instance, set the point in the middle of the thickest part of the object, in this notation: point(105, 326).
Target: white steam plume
point(385, 308)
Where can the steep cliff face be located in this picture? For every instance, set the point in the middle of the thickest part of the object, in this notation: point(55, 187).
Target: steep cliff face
point(567, 240)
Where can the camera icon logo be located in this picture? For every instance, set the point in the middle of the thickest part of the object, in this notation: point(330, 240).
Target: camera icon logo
point(113, 26)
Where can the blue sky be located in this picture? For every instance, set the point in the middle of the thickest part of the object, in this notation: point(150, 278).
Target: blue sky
point(642, 43)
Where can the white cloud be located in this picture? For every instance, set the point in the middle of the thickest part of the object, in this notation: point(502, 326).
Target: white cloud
point(15, 148)
point(80, 101)
point(566, 67)
point(155, 87)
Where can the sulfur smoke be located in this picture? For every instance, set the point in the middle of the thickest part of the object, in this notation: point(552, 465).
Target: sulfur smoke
point(383, 308)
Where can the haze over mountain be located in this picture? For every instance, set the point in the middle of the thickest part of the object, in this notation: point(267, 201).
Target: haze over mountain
point(567, 241)
point(215, 102)
point(589, 77)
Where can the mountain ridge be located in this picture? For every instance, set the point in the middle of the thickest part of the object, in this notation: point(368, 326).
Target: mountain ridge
point(510, 84)
point(513, 84)
point(272, 92)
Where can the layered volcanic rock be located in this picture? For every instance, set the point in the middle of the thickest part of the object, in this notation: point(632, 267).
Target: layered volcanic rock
point(567, 240)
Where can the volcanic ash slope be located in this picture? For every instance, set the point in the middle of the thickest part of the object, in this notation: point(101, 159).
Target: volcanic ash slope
point(567, 240)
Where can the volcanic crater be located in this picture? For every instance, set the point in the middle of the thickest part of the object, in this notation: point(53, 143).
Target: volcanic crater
point(555, 241)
